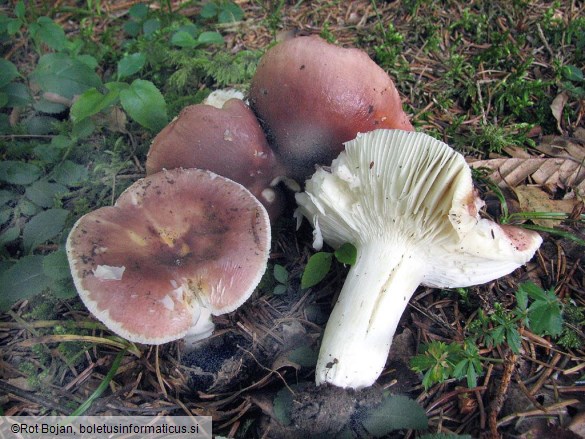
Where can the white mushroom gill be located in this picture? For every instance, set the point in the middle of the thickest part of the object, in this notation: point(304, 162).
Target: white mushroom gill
point(406, 201)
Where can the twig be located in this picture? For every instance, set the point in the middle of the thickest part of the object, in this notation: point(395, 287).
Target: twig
point(498, 401)
point(32, 397)
point(543, 39)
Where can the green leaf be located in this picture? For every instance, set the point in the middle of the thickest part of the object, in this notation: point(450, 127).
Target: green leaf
point(26, 208)
point(43, 105)
point(61, 74)
point(88, 60)
point(346, 254)
point(20, 10)
point(8, 72)
point(18, 94)
point(209, 10)
point(230, 12)
point(9, 235)
point(56, 265)
point(41, 125)
point(63, 288)
point(131, 64)
point(48, 32)
point(280, 274)
point(15, 172)
point(13, 27)
point(138, 11)
point(145, 104)
point(3, 99)
point(43, 227)
point(210, 38)
point(572, 73)
point(70, 174)
point(317, 268)
point(150, 26)
point(522, 299)
point(513, 338)
point(132, 28)
point(279, 289)
point(545, 317)
point(93, 101)
point(394, 413)
point(83, 129)
point(5, 215)
point(184, 39)
point(532, 290)
point(6, 196)
point(23, 280)
point(43, 193)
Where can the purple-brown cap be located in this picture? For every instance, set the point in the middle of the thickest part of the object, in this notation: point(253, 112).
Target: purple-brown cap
point(176, 245)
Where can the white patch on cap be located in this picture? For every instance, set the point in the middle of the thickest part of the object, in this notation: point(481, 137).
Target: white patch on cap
point(168, 303)
point(108, 272)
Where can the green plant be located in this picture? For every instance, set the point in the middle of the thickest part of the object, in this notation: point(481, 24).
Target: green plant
point(536, 309)
point(282, 278)
point(224, 11)
point(66, 157)
point(319, 264)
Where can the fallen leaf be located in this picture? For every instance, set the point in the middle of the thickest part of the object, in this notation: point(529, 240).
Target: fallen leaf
point(557, 106)
point(534, 199)
point(553, 173)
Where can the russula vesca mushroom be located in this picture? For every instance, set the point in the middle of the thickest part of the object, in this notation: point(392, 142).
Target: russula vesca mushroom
point(177, 246)
point(407, 202)
point(227, 141)
point(311, 96)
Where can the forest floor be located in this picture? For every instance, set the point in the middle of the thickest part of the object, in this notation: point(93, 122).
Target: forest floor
point(500, 81)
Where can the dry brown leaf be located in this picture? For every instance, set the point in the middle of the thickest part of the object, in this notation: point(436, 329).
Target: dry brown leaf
point(562, 147)
point(534, 199)
point(557, 106)
point(113, 119)
point(553, 173)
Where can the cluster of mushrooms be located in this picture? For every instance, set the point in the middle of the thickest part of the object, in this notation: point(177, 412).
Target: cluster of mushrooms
point(192, 238)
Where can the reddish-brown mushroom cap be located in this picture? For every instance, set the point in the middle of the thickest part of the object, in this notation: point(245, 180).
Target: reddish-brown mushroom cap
point(175, 242)
point(227, 141)
point(311, 96)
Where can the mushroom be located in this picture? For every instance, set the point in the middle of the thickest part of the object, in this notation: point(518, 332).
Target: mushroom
point(176, 247)
point(407, 202)
point(227, 141)
point(311, 96)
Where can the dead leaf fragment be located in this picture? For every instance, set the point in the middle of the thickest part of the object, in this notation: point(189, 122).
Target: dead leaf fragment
point(553, 173)
point(557, 106)
point(534, 199)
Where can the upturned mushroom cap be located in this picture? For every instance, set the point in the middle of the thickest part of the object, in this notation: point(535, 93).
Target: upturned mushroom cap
point(227, 141)
point(311, 96)
point(407, 202)
point(176, 245)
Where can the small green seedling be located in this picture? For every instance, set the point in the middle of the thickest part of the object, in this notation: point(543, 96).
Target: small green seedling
point(319, 264)
point(281, 276)
point(537, 309)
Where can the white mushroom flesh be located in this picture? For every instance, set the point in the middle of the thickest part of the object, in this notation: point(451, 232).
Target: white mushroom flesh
point(406, 201)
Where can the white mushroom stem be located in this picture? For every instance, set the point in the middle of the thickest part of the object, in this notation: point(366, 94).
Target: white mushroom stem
point(359, 332)
point(406, 201)
point(200, 330)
